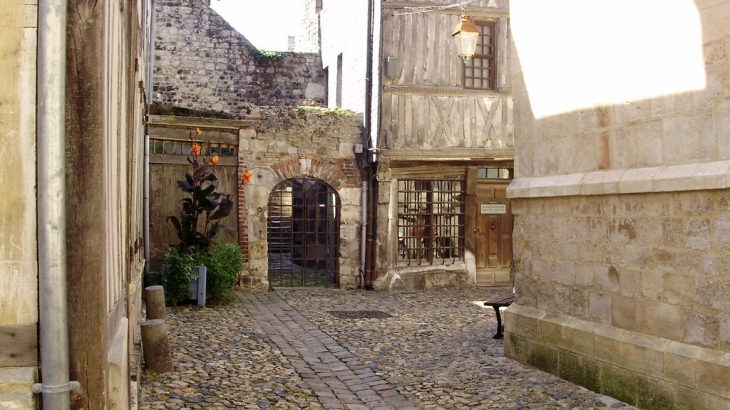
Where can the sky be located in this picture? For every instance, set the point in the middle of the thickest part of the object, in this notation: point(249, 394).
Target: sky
point(255, 18)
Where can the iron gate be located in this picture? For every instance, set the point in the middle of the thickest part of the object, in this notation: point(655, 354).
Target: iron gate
point(303, 234)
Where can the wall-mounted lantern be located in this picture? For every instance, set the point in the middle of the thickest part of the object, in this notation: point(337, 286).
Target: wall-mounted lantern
point(465, 36)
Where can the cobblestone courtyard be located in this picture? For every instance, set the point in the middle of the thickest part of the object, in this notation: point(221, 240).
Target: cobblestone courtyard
point(290, 349)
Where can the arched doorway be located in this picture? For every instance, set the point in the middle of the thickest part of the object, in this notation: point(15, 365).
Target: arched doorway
point(303, 234)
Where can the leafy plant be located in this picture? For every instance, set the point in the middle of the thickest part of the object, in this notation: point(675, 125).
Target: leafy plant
point(204, 204)
point(323, 111)
point(262, 56)
point(224, 263)
point(177, 271)
point(204, 201)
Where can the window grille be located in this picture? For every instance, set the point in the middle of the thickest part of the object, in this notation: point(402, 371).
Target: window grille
point(175, 147)
point(430, 222)
point(479, 72)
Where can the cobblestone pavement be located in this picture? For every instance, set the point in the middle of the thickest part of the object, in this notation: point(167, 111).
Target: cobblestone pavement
point(286, 349)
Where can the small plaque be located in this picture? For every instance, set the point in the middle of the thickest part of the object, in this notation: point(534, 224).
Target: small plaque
point(494, 208)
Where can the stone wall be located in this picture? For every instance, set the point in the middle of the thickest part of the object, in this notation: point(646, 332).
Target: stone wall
point(621, 237)
point(290, 143)
point(201, 62)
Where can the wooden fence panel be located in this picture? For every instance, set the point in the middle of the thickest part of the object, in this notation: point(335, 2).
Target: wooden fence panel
point(165, 197)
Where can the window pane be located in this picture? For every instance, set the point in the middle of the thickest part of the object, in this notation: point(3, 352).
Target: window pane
point(473, 77)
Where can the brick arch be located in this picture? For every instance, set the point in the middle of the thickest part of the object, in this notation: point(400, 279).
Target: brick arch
point(337, 172)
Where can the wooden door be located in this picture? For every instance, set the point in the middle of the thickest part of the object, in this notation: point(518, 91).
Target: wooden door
point(493, 234)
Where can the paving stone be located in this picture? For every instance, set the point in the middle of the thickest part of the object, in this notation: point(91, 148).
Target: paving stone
point(283, 350)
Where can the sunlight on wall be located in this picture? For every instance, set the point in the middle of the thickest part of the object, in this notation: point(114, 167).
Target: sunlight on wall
point(580, 53)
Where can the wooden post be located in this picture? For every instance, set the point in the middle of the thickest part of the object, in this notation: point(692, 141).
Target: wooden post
point(202, 282)
point(154, 297)
point(154, 344)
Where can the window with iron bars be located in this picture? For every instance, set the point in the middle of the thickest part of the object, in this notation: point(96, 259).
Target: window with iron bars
point(479, 73)
point(175, 147)
point(430, 222)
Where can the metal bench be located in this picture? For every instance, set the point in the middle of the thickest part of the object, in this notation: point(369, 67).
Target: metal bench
point(496, 303)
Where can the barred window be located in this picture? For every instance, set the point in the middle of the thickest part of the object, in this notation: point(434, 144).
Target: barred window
point(479, 73)
point(430, 222)
point(175, 147)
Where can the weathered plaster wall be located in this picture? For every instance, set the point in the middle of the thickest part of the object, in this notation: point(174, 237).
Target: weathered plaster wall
point(344, 32)
point(201, 62)
point(18, 294)
point(621, 240)
point(308, 40)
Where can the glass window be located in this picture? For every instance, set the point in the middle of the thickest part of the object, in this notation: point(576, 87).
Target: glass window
point(479, 72)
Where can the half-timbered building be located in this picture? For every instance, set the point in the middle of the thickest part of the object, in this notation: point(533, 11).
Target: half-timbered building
point(445, 146)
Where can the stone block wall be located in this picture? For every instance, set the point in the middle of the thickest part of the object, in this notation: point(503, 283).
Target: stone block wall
point(289, 143)
point(621, 239)
point(202, 63)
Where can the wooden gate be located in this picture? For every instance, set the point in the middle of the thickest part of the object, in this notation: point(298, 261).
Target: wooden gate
point(303, 234)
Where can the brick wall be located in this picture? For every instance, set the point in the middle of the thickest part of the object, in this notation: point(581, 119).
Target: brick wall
point(201, 62)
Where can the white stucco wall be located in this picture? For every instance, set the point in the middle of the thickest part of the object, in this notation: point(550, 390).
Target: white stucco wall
point(344, 31)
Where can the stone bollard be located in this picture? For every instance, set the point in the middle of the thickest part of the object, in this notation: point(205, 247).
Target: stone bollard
point(154, 344)
point(154, 297)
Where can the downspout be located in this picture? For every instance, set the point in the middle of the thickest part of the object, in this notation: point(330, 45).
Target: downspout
point(146, 206)
point(51, 146)
point(146, 172)
point(370, 157)
point(363, 232)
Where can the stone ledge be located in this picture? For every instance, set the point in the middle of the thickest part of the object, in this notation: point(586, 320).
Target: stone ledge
point(689, 366)
point(670, 178)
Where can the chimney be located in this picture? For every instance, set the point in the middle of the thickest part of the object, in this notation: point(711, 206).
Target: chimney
point(291, 42)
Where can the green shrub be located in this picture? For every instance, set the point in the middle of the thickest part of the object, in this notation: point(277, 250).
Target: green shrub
point(223, 262)
point(177, 272)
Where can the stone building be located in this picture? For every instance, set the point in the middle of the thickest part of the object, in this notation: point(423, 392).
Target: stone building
point(298, 218)
point(71, 126)
point(621, 199)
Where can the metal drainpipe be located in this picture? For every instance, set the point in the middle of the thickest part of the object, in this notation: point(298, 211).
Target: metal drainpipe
point(363, 232)
point(146, 206)
point(146, 176)
point(368, 211)
point(51, 135)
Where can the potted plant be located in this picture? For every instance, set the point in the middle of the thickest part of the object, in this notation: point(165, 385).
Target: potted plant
point(197, 226)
